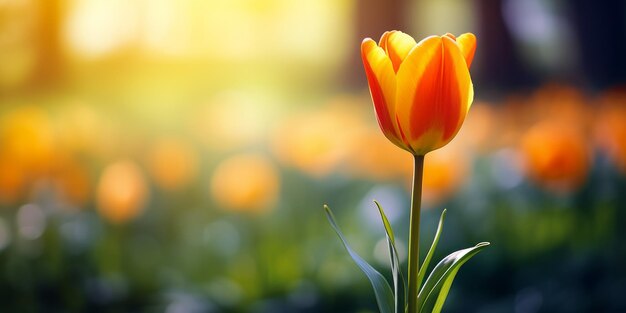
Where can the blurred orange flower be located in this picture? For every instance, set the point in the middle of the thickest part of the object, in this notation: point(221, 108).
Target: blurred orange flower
point(374, 157)
point(172, 163)
point(246, 183)
point(73, 182)
point(421, 91)
point(563, 103)
point(443, 174)
point(12, 180)
point(610, 130)
point(556, 155)
point(315, 141)
point(122, 192)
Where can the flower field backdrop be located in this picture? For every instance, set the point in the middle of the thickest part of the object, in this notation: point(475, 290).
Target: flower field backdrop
point(174, 156)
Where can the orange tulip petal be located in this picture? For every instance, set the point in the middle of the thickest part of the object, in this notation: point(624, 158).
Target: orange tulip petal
point(467, 44)
point(422, 63)
point(434, 91)
point(382, 82)
point(461, 89)
point(397, 45)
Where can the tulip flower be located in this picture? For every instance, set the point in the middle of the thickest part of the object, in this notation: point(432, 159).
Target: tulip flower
point(421, 91)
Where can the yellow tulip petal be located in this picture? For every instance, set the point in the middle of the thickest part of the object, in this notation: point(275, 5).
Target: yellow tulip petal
point(397, 45)
point(451, 36)
point(382, 82)
point(467, 44)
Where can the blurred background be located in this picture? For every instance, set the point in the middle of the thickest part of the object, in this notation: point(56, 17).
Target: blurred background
point(174, 156)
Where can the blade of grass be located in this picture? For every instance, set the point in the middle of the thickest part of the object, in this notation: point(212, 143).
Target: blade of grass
point(395, 262)
point(431, 251)
point(382, 290)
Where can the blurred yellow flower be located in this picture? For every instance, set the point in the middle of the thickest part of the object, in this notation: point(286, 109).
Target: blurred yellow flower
point(122, 192)
point(421, 91)
point(172, 163)
point(27, 137)
point(246, 183)
point(557, 156)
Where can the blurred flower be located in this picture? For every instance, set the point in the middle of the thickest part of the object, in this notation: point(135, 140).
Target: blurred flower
point(27, 137)
point(246, 183)
point(444, 172)
point(421, 91)
point(73, 182)
point(374, 157)
point(560, 103)
point(122, 192)
point(317, 142)
point(12, 180)
point(172, 163)
point(610, 129)
point(556, 156)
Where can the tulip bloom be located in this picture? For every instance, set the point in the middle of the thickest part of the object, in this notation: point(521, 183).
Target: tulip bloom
point(421, 91)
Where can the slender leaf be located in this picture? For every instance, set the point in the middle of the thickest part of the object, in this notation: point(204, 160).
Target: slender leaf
point(395, 262)
point(382, 290)
point(438, 284)
point(431, 251)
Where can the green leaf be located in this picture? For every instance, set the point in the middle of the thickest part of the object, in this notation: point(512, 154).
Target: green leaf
point(431, 251)
point(395, 261)
point(438, 284)
point(382, 290)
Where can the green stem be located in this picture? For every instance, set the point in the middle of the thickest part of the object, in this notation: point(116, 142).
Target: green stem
point(414, 233)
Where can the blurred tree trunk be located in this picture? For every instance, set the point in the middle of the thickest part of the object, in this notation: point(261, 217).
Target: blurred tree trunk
point(30, 45)
point(601, 33)
point(498, 65)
